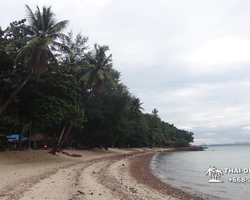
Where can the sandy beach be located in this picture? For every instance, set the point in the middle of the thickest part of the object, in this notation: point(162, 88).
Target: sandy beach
point(97, 175)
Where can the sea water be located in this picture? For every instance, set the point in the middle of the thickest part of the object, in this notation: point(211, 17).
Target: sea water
point(189, 171)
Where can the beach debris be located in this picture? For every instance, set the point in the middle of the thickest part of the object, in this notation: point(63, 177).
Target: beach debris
point(80, 191)
point(133, 190)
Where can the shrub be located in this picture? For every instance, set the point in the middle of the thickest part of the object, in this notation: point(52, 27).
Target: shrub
point(180, 142)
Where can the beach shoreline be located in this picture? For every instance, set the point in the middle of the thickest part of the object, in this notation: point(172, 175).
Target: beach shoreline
point(141, 171)
point(99, 174)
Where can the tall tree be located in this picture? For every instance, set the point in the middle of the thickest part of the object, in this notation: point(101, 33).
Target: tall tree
point(98, 70)
point(135, 108)
point(41, 41)
point(78, 47)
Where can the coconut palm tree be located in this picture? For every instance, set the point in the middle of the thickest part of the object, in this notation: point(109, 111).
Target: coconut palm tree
point(98, 69)
point(135, 107)
point(41, 41)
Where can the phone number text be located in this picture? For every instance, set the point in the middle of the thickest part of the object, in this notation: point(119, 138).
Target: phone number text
point(240, 180)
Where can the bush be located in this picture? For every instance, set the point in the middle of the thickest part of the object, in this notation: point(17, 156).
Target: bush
point(181, 143)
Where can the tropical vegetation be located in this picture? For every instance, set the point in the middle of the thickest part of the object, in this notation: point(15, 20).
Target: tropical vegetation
point(54, 84)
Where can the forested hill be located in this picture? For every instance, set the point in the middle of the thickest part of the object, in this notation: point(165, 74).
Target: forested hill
point(52, 83)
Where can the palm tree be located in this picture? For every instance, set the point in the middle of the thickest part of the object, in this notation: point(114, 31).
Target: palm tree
point(98, 70)
point(42, 36)
point(155, 113)
point(135, 108)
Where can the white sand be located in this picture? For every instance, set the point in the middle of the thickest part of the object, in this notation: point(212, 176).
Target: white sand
point(39, 175)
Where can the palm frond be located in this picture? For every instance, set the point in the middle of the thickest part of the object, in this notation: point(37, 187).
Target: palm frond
point(42, 37)
point(53, 60)
point(62, 47)
point(78, 68)
point(90, 59)
point(59, 26)
point(99, 74)
point(32, 17)
point(39, 19)
point(110, 78)
point(86, 76)
point(59, 36)
point(27, 51)
point(48, 19)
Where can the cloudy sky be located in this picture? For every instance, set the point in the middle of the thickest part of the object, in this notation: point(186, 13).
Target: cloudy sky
point(189, 59)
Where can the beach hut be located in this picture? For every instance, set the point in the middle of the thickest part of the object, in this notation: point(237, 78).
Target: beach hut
point(169, 143)
point(40, 140)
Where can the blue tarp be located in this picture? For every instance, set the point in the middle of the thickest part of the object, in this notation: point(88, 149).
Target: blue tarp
point(12, 138)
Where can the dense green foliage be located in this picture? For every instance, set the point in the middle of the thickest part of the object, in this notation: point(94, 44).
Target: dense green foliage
point(83, 96)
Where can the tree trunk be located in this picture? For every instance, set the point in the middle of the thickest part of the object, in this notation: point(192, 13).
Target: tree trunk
point(35, 140)
point(61, 135)
point(20, 136)
point(2, 108)
point(90, 95)
point(44, 139)
point(70, 127)
point(30, 135)
point(65, 137)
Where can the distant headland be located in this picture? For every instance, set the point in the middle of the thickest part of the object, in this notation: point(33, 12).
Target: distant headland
point(226, 144)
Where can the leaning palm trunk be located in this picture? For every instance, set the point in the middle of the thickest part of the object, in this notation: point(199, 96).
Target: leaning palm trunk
point(57, 147)
point(69, 129)
point(14, 94)
point(61, 136)
point(90, 95)
point(65, 137)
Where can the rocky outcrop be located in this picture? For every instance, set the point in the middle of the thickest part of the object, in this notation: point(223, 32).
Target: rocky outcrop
point(191, 148)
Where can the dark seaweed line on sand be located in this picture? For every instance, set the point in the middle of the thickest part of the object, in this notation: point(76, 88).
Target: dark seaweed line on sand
point(140, 170)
